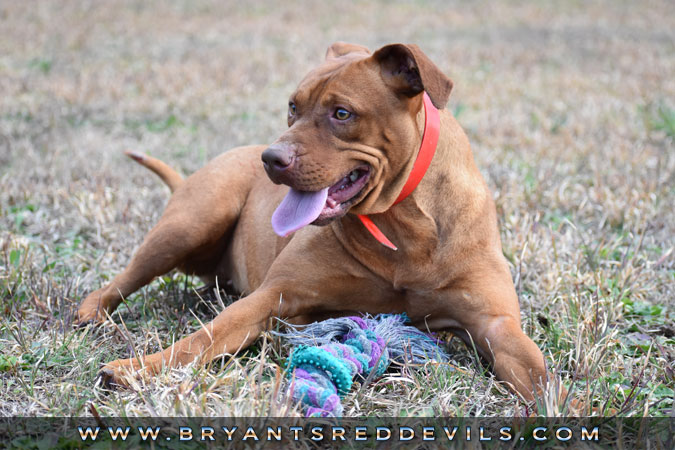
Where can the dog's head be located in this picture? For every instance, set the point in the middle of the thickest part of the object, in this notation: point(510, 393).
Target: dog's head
point(352, 133)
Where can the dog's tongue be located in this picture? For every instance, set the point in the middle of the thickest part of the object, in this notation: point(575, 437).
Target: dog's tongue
point(297, 209)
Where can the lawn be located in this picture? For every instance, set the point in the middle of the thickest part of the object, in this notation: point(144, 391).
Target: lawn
point(570, 110)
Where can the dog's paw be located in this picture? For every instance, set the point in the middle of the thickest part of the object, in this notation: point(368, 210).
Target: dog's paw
point(108, 379)
point(126, 373)
point(579, 408)
point(118, 374)
point(86, 316)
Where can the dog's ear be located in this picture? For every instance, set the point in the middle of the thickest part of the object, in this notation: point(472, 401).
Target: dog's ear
point(342, 48)
point(408, 71)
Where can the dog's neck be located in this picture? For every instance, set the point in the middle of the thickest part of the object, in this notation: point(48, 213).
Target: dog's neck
point(452, 178)
point(423, 158)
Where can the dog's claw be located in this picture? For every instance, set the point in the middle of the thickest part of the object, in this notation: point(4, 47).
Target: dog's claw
point(110, 379)
point(120, 373)
point(82, 319)
point(107, 378)
point(82, 323)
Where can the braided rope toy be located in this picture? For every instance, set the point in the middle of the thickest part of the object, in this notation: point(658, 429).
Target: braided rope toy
point(341, 349)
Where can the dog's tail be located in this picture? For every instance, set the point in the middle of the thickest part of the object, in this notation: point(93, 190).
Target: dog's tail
point(166, 173)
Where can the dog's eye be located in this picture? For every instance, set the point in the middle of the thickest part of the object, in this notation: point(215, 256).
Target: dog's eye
point(342, 114)
point(291, 109)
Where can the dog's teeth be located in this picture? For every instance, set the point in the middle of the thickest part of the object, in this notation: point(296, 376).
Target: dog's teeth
point(331, 203)
point(353, 176)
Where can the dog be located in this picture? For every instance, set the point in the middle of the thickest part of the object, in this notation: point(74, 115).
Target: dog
point(370, 202)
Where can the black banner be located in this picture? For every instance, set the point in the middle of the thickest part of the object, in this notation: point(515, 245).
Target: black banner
point(381, 432)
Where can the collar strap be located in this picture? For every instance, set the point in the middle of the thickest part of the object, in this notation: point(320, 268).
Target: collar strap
point(432, 126)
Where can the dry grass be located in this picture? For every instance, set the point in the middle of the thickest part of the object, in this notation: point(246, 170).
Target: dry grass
point(570, 110)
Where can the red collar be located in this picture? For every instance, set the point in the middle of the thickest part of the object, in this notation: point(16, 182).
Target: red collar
point(432, 125)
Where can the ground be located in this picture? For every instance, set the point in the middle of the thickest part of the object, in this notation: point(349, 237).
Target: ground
point(570, 109)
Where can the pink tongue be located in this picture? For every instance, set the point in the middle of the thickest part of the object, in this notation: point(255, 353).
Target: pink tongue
point(297, 209)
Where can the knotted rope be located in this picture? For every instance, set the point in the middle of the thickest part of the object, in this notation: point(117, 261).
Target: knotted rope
point(342, 349)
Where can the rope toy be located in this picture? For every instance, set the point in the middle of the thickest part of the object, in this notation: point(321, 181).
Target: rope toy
point(331, 354)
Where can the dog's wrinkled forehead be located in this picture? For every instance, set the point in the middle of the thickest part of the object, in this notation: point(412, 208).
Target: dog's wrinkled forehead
point(337, 74)
point(366, 84)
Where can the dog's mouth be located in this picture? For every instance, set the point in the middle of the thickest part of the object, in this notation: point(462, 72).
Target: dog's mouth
point(301, 208)
point(343, 194)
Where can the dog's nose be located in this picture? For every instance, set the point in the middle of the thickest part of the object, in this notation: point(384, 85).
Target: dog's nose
point(277, 160)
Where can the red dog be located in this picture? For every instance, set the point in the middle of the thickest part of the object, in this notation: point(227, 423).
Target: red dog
point(372, 160)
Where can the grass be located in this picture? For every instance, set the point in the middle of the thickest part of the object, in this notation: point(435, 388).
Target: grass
point(571, 121)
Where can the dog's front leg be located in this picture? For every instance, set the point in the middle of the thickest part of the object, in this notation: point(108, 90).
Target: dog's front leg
point(516, 359)
point(235, 328)
point(301, 284)
point(486, 306)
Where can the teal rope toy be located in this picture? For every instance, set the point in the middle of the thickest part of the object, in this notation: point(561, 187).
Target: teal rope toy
point(346, 348)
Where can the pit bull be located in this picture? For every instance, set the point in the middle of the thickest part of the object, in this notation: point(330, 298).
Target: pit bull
point(370, 202)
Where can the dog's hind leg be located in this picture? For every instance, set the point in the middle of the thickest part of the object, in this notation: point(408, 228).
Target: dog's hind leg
point(195, 224)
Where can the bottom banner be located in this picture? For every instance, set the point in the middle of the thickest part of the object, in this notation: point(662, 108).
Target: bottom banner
point(383, 432)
